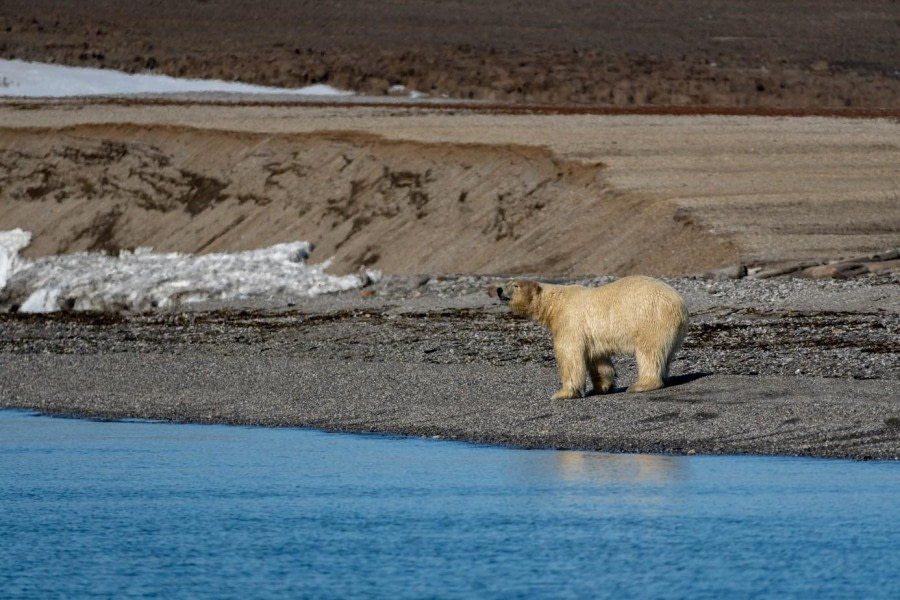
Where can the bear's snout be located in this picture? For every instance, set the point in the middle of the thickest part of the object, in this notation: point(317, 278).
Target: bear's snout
point(496, 291)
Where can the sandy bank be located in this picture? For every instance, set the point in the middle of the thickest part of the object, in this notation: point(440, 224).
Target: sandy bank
point(411, 190)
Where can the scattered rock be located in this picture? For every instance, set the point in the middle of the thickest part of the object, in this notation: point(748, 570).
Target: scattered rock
point(887, 255)
point(886, 266)
point(732, 272)
point(834, 271)
point(782, 269)
point(846, 268)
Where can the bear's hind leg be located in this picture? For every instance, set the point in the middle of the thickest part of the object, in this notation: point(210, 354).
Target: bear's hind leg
point(571, 373)
point(673, 350)
point(603, 375)
point(651, 367)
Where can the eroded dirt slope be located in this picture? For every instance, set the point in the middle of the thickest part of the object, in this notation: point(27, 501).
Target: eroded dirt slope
point(397, 206)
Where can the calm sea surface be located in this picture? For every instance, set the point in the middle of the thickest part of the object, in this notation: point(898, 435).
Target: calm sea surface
point(147, 509)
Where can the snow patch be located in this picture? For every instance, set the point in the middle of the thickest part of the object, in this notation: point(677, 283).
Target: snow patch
point(26, 79)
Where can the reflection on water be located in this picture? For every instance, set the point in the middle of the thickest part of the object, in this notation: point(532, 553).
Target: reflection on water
point(144, 509)
point(602, 468)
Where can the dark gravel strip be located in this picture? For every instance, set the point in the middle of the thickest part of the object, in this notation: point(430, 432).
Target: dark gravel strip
point(505, 404)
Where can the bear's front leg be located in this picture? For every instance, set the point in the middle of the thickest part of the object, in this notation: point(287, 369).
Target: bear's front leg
point(570, 362)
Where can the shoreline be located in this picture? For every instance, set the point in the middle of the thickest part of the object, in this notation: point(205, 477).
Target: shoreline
point(804, 417)
point(810, 374)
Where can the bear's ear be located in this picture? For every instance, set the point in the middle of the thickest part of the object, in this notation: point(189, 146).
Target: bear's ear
point(531, 289)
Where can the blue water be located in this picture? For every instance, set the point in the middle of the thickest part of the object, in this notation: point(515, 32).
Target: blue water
point(147, 509)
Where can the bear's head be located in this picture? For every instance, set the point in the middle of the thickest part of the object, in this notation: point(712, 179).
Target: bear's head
point(519, 295)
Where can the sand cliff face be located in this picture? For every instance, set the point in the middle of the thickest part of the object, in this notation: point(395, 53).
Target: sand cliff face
point(459, 189)
point(369, 202)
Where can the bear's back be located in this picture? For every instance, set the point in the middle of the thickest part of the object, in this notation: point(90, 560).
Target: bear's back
point(637, 299)
point(629, 301)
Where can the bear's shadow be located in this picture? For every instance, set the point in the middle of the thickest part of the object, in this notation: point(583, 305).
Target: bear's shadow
point(671, 381)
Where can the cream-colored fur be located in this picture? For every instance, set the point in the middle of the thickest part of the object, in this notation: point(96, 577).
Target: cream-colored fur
point(634, 315)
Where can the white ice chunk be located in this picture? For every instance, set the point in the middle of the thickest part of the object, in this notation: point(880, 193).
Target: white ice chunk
point(11, 242)
point(42, 300)
point(144, 279)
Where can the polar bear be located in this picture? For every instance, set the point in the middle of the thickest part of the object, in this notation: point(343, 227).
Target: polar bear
point(633, 315)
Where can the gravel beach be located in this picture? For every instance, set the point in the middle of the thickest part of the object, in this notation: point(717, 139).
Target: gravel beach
point(777, 366)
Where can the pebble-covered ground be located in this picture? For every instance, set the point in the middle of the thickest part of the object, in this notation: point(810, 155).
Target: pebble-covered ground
point(778, 366)
point(845, 329)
